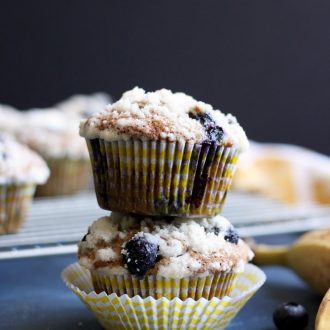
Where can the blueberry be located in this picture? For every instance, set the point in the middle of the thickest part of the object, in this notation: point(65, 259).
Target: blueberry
point(231, 236)
point(203, 118)
point(140, 255)
point(214, 132)
point(291, 316)
point(214, 230)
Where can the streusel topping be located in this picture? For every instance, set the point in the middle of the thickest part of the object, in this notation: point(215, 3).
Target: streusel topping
point(123, 244)
point(19, 164)
point(163, 115)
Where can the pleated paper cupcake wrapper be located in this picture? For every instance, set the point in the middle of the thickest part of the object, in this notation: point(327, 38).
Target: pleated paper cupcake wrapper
point(131, 313)
point(207, 287)
point(15, 201)
point(67, 176)
point(161, 178)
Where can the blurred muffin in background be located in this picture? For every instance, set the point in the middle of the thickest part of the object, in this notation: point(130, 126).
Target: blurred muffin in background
point(83, 106)
point(21, 170)
point(10, 119)
point(53, 133)
point(286, 172)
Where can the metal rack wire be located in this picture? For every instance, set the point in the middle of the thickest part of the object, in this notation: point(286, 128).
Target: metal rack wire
point(55, 225)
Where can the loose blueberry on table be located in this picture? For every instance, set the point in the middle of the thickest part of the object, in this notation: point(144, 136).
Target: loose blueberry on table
point(290, 316)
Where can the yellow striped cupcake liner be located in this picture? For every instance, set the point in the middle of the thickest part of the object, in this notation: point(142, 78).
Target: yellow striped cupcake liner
point(158, 177)
point(131, 313)
point(207, 287)
point(15, 201)
point(67, 176)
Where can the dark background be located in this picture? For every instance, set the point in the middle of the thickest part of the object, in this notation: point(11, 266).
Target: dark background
point(266, 61)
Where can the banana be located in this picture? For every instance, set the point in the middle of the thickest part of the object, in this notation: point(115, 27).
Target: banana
point(323, 315)
point(309, 257)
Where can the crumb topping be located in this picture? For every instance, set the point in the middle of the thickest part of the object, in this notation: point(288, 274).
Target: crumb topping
point(84, 106)
point(163, 115)
point(19, 164)
point(50, 132)
point(177, 248)
point(53, 132)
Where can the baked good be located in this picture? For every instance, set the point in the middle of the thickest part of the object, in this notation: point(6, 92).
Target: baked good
point(21, 170)
point(83, 106)
point(162, 153)
point(53, 135)
point(180, 257)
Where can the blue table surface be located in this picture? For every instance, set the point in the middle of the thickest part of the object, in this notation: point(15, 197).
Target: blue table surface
point(34, 297)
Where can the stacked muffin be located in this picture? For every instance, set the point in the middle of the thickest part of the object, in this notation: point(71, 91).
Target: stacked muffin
point(163, 163)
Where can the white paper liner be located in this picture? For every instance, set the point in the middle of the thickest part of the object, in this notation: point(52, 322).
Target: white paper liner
point(123, 312)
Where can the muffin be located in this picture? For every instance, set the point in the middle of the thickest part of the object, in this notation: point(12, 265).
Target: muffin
point(53, 133)
point(163, 257)
point(83, 106)
point(21, 170)
point(162, 153)
point(54, 136)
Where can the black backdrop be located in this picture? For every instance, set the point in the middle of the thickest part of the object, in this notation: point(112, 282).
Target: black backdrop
point(266, 61)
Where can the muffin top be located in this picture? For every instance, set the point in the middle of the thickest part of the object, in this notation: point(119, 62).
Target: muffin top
point(10, 119)
point(163, 115)
point(19, 164)
point(84, 106)
point(52, 133)
point(123, 244)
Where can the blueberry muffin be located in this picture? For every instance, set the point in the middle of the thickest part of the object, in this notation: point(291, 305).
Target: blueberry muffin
point(163, 257)
point(83, 106)
point(162, 153)
point(21, 170)
point(53, 134)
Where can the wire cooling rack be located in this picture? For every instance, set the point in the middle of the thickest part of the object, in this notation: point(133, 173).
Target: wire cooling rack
point(55, 225)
